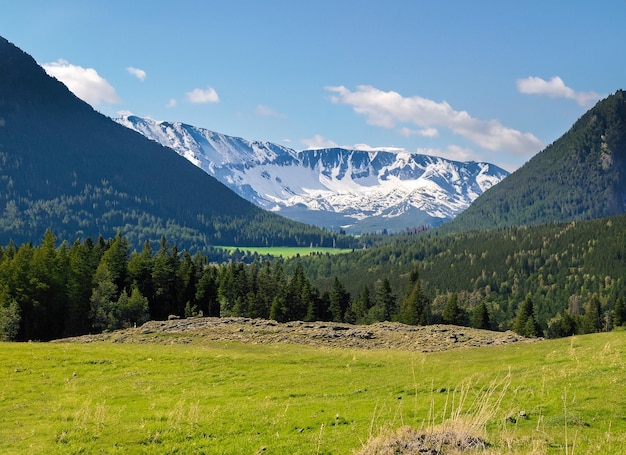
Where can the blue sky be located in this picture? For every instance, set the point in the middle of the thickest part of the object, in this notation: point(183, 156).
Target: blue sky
point(469, 80)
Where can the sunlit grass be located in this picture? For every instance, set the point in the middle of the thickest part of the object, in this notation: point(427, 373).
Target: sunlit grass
point(285, 251)
point(560, 396)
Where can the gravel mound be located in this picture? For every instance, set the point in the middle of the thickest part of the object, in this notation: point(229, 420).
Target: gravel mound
point(384, 335)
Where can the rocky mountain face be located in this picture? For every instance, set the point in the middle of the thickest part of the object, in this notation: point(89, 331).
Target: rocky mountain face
point(358, 191)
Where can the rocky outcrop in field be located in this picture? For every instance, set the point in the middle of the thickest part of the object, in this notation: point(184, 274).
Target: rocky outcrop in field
point(384, 335)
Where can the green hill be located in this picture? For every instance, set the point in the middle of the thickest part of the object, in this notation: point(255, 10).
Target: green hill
point(580, 176)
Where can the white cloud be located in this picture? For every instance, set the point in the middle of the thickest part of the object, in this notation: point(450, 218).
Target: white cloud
point(388, 109)
point(139, 74)
point(555, 88)
point(318, 142)
point(85, 83)
point(265, 111)
point(171, 103)
point(199, 96)
point(424, 132)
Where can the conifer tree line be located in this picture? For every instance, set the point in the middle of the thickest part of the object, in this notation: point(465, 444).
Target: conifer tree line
point(552, 280)
point(52, 291)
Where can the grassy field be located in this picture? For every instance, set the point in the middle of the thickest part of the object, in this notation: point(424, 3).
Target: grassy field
point(562, 396)
point(285, 251)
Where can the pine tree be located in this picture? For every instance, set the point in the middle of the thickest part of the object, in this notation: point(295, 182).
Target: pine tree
point(266, 290)
point(308, 297)
point(83, 262)
point(385, 299)
point(137, 310)
point(277, 310)
point(47, 288)
point(164, 281)
point(298, 295)
point(361, 305)
point(415, 309)
point(9, 318)
point(339, 301)
point(592, 321)
point(116, 259)
point(206, 293)
point(140, 268)
point(480, 317)
point(20, 288)
point(530, 328)
point(102, 300)
point(452, 312)
point(619, 312)
point(185, 284)
point(525, 323)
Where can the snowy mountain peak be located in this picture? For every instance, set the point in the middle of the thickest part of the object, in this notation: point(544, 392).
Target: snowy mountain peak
point(360, 191)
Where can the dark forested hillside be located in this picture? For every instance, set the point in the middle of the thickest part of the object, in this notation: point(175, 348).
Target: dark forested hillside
point(580, 176)
point(563, 269)
point(66, 167)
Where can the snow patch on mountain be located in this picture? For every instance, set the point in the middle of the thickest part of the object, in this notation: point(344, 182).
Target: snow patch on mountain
point(359, 191)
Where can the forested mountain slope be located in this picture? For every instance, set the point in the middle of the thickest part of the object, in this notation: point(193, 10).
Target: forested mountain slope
point(580, 176)
point(66, 167)
point(565, 269)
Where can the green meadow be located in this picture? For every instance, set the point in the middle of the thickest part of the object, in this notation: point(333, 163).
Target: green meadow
point(285, 251)
point(564, 396)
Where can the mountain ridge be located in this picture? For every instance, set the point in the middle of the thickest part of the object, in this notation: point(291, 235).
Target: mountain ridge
point(334, 187)
point(66, 167)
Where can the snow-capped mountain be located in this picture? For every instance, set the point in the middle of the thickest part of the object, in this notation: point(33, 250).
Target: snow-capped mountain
point(354, 190)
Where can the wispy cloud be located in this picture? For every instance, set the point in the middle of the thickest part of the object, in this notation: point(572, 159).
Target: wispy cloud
point(265, 111)
point(424, 132)
point(85, 83)
point(390, 109)
point(199, 96)
point(171, 103)
point(138, 73)
point(555, 88)
point(318, 142)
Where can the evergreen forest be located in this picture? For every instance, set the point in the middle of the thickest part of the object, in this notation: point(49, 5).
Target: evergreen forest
point(550, 280)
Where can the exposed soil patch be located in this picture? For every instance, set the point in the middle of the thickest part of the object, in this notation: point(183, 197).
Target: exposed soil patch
point(384, 335)
point(410, 441)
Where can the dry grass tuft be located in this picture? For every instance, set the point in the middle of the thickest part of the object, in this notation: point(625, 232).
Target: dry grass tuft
point(407, 440)
point(462, 428)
